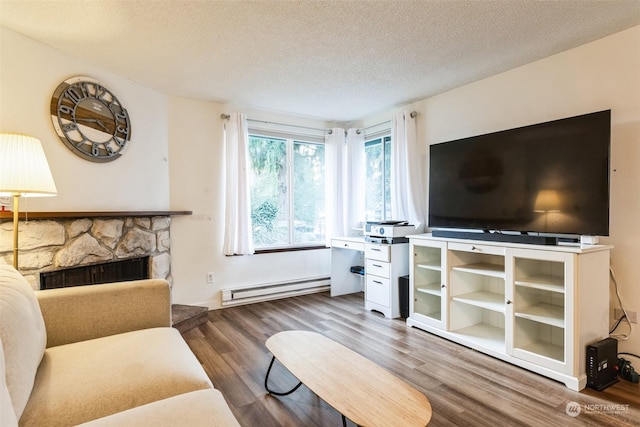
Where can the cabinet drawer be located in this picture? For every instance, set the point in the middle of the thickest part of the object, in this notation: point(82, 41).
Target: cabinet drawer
point(378, 268)
point(479, 249)
point(347, 244)
point(377, 252)
point(377, 290)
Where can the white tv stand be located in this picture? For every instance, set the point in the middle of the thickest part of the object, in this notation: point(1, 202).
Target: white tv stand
point(535, 306)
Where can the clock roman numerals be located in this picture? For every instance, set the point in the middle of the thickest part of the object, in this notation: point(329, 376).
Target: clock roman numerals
point(90, 120)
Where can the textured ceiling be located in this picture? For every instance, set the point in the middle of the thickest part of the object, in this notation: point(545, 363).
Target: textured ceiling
point(331, 60)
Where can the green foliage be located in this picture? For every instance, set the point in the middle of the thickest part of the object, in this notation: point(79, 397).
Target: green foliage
point(264, 215)
point(264, 219)
point(268, 155)
point(274, 187)
point(378, 179)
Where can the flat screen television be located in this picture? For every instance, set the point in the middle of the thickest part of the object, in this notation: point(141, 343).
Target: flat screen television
point(550, 178)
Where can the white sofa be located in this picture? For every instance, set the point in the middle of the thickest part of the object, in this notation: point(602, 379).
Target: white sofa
point(104, 355)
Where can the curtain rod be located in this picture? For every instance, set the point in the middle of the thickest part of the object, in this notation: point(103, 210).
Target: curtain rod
point(227, 117)
point(413, 114)
point(223, 116)
point(286, 124)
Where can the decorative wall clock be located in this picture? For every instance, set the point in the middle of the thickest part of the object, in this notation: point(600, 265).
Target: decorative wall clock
point(90, 120)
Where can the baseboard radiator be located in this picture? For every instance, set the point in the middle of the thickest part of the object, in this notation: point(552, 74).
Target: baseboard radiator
point(271, 291)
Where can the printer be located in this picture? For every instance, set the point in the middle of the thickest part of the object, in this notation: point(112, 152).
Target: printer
point(388, 231)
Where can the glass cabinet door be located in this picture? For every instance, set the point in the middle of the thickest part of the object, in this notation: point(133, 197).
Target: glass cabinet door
point(542, 308)
point(428, 288)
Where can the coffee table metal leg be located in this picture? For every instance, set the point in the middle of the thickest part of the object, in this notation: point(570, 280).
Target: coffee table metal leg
point(344, 421)
point(278, 393)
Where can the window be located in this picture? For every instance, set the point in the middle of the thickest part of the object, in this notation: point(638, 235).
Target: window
point(287, 192)
point(378, 184)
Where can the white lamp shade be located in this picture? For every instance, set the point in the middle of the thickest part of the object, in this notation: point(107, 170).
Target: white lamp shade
point(24, 169)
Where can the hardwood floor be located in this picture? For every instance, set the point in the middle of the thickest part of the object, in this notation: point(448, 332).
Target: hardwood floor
point(465, 387)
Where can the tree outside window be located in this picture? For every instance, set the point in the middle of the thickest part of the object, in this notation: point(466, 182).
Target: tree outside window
point(287, 192)
point(378, 184)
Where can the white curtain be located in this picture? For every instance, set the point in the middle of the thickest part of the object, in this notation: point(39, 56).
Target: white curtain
point(345, 175)
point(334, 150)
point(407, 195)
point(355, 174)
point(238, 239)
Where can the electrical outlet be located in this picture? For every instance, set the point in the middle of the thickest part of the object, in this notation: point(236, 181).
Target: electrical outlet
point(210, 277)
point(618, 313)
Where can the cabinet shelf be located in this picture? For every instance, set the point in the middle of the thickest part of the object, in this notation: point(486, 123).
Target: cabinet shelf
point(488, 300)
point(430, 288)
point(432, 265)
point(543, 313)
point(434, 315)
point(482, 268)
point(544, 349)
point(484, 335)
point(542, 282)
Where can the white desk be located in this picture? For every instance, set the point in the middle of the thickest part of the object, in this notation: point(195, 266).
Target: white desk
point(384, 264)
point(345, 253)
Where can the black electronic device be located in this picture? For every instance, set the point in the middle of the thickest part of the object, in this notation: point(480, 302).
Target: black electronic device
point(386, 240)
point(550, 178)
point(602, 364)
point(496, 237)
point(357, 269)
point(403, 296)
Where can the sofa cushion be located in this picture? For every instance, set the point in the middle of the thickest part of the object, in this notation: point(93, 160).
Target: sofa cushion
point(22, 333)
point(202, 408)
point(7, 413)
point(86, 380)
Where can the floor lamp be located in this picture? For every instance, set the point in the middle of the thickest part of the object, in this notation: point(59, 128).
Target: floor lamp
point(24, 172)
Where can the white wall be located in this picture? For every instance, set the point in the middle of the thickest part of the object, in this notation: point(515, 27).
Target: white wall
point(139, 180)
point(604, 74)
point(197, 172)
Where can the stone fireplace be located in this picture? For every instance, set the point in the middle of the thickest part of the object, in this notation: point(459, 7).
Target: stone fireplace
point(95, 274)
point(59, 241)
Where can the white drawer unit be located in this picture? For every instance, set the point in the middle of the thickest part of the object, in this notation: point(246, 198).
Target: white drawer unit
point(379, 252)
point(378, 268)
point(384, 265)
point(516, 302)
point(377, 290)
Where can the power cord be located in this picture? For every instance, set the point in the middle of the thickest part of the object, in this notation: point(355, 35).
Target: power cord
point(629, 354)
point(624, 317)
point(617, 324)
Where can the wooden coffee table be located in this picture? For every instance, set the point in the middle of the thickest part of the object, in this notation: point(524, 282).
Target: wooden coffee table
point(356, 387)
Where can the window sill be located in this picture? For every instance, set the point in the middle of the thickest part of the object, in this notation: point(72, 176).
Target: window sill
point(289, 249)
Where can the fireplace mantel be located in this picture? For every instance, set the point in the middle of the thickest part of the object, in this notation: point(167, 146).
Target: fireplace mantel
point(107, 214)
